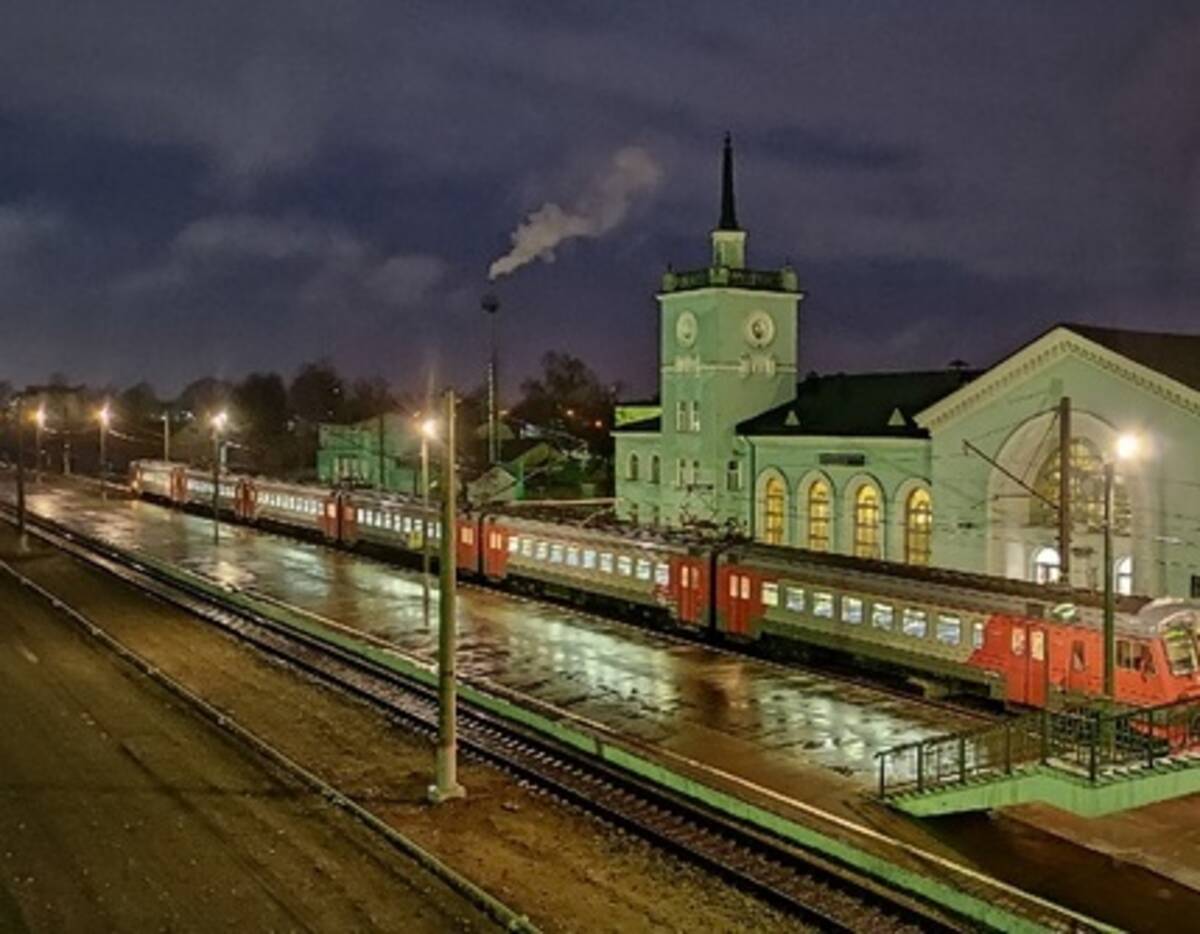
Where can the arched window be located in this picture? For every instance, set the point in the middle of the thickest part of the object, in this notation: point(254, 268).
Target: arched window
point(918, 527)
point(1123, 575)
point(1046, 565)
point(1087, 491)
point(774, 509)
point(631, 471)
point(866, 522)
point(655, 469)
point(819, 502)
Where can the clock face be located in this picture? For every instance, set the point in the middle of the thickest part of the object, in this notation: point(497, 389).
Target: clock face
point(686, 329)
point(760, 329)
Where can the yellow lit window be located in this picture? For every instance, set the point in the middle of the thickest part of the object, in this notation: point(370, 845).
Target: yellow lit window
point(818, 516)
point(866, 522)
point(918, 527)
point(773, 512)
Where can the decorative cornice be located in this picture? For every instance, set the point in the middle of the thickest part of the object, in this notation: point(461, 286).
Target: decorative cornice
point(1059, 343)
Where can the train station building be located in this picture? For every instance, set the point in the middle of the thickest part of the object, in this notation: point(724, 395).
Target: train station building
point(956, 468)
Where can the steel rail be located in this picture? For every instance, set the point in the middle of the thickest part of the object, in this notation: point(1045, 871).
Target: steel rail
point(817, 891)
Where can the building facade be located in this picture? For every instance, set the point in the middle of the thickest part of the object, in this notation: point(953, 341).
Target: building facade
point(957, 468)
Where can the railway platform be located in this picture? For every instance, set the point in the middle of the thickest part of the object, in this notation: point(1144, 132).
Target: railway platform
point(738, 714)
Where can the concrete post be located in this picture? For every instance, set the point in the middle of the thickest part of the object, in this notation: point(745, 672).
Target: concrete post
point(446, 784)
point(1110, 627)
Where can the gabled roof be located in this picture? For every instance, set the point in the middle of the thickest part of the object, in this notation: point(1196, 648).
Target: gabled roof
point(1173, 355)
point(1167, 365)
point(859, 404)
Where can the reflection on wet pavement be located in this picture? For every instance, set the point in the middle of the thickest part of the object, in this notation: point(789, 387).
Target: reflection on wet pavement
point(745, 716)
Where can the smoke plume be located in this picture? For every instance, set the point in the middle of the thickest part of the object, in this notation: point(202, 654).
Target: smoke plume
point(602, 207)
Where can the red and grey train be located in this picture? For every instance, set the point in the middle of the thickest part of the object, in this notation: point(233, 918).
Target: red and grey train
point(1014, 641)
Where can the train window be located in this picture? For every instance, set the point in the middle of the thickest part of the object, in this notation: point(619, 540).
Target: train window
point(643, 569)
point(606, 562)
point(977, 635)
point(624, 565)
point(914, 622)
point(852, 610)
point(514, 544)
point(882, 615)
point(823, 605)
point(662, 575)
point(362, 517)
point(1078, 655)
point(543, 551)
point(1018, 640)
point(1125, 653)
point(589, 558)
point(949, 629)
point(795, 599)
point(745, 587)
point(466, 535)
point(556, 553)
point(572, 556)
point(527, 547)
point(770, 593)
point(436, 530)
point(733, 586)
point(1180, 649)
point(684, 576)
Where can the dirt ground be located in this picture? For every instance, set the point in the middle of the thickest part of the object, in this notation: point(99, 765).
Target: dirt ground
point(122, 811)
point(565, 870)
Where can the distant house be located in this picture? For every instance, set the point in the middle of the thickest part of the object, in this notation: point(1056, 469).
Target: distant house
point(521, 458)
point(382, 452)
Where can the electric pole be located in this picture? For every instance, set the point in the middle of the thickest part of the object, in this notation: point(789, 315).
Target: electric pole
point(446, 784)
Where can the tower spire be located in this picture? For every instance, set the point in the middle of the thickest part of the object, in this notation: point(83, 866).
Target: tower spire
point(728, 219)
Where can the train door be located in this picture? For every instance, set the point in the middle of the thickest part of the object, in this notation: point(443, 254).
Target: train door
point(329, 516)
point(495, 553)
point(691, 597)
point(468, 552)
point(244, 500)
point(347, 531)
point(742, 607)
point(1029, 669)
point(178, 485)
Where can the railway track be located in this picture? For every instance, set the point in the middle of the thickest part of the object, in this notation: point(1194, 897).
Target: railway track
point(816, 891)
point(823, 892)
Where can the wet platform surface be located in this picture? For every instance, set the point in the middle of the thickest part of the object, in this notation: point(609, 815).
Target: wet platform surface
point(772, 724)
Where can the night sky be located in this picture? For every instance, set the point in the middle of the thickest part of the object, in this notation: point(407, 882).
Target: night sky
point(196, 187)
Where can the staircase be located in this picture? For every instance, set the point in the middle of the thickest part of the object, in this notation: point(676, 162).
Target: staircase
point(1088, 762)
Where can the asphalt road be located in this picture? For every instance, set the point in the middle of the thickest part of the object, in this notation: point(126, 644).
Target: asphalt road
point(120, 810)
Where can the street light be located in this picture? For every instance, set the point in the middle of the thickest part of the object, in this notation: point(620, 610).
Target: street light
point(39, 421)
point(104, 416)
point(218, 422)
point(428, 433)
point(166, 420)
point(1127, 447)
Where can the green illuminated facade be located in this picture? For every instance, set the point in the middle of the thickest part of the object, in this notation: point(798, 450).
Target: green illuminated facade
point(874, 464)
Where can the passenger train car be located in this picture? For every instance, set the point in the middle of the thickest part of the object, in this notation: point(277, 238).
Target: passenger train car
point(1017, 642)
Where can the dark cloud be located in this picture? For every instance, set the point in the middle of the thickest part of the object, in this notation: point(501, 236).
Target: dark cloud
point(210, 187)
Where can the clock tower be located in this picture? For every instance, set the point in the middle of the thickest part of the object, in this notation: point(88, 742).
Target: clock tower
point(728, 352)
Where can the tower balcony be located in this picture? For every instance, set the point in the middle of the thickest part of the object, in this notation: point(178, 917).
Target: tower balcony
point(723, 277)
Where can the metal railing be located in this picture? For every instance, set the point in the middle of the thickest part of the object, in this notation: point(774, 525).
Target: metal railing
point(1088, 743)
point(778, 280)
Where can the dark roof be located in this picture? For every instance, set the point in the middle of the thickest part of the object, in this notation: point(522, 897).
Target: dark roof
point(645, 424)
point(863, 404)
point(1173, 355)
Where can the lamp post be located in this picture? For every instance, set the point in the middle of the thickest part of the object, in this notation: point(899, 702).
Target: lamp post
point(446, 784)
point(105, 417)
point(166, 420)
point(1126, 449)
point(20, 420)
point(39, 421)
point(428, 433)
point(491, 305)
point(218, 425)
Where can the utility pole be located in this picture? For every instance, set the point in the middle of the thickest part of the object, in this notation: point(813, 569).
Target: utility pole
point(446, 784)
point(428, 429)
point(491, 305)
point(1110, 615)
point(166, 419)
point(382, 435)
point(39, 421)
point(105, 417)
point(21, 464)
point(218, 423)
point(1064, 489)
